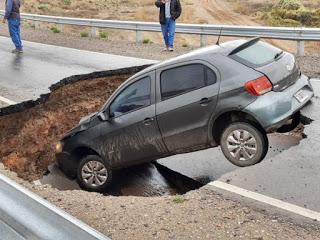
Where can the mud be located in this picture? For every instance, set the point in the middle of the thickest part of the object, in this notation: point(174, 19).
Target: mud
point(27, 137)
point(147, 180)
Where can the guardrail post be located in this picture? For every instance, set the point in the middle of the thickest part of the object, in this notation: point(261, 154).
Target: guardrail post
point(203, 40)
point(36, 24)
point(94, 31)
point(138, 36)
point(60, 27)
point(300, 48)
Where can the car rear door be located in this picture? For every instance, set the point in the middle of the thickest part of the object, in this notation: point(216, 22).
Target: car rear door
point(186, 98)
point(132, 134)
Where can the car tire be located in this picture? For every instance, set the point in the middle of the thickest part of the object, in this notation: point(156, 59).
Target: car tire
point(244, 144)
point(93, 174)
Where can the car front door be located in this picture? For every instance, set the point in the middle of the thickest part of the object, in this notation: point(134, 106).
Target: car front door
point(186, 99)
point(132, 135)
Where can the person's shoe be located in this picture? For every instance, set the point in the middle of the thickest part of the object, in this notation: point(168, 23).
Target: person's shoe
point(17, 51)
point(170, 49)
point(165, 49)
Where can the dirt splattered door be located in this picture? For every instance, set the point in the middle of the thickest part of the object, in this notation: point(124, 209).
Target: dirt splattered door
point(132, 134)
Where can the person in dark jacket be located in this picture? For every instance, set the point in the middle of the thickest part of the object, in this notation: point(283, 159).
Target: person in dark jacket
point(12, 15)
point(170, 11)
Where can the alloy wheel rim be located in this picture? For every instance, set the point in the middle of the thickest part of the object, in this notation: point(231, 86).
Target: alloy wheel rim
point(94, 173)
point(242, 145)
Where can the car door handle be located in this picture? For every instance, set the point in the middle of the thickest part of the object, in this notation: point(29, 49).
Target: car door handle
point(205, 101)
point(148, 121)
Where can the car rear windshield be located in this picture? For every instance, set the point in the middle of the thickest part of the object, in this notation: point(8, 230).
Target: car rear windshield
point(258, 54)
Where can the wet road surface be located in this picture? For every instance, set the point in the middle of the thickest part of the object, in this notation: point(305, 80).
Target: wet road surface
point(26, 76)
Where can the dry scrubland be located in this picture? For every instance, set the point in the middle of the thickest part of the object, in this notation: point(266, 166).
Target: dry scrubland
point(234, 12)
point(273, 12)
point(281, 12)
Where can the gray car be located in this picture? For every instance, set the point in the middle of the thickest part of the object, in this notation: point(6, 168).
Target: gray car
point(230, 95)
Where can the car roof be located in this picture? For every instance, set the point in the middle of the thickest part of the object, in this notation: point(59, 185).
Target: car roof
point(221, 49)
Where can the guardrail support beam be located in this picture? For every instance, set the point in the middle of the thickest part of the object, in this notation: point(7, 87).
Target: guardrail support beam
point(203, 40)
point(94, 32)
point(60, 27)
point(138, 36)
point(300, 48)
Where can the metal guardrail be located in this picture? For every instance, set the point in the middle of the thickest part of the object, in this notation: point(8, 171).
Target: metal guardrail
point(299, 34)
point(24, 215)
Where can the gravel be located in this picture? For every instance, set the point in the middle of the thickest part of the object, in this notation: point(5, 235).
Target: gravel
point(201, 214)
point(309, 64)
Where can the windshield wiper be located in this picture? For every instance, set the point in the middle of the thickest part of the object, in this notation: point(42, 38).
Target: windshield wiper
point(278, 55)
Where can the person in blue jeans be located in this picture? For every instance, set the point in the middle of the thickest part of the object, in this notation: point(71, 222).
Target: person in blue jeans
point(12, 15)
point(170, 11)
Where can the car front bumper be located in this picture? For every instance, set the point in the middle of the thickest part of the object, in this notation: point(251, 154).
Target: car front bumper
point(65, 163)
point(273, 109)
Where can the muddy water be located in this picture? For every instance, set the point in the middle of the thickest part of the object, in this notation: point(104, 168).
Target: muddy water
point(174, 175)
point(144, 180)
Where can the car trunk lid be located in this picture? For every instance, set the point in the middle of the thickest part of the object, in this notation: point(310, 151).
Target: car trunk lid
point(282, 72)
point(280, 67)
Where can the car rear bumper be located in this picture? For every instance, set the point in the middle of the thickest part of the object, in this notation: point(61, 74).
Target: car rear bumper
point(273, 109)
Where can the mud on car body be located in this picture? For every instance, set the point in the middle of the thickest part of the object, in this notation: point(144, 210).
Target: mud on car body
point(230, 95)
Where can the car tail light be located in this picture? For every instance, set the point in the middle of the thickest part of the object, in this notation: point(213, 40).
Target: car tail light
point(259, 86)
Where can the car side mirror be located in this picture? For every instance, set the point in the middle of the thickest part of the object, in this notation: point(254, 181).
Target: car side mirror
point(104, 115)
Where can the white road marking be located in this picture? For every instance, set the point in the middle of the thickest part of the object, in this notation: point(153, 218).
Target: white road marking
point(7, 101)
point(267, 200)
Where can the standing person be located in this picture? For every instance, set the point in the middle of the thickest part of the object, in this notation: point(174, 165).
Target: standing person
point(12, 15)
point(170, 10)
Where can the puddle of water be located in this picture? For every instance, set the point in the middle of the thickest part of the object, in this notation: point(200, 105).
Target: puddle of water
point(143, 180)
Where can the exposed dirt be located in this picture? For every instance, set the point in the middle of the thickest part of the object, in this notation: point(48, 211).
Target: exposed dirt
point(27, 147)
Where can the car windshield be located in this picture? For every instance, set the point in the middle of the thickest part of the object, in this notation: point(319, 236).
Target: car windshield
point(258, 54)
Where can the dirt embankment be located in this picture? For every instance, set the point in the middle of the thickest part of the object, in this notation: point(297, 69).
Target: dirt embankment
point(27, 138)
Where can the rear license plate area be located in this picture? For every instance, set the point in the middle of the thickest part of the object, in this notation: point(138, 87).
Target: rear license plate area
point(301, 96)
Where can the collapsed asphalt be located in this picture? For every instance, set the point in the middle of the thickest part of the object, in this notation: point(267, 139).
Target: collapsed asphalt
point(29, 131)
point(27, 137)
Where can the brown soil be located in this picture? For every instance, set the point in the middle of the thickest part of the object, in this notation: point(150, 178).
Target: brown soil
point(27, 147)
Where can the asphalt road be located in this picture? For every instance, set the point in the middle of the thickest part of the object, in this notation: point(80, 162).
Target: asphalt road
point(27, 76)
point(290, 172)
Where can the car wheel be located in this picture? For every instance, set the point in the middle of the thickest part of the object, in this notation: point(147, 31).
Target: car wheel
point(244, 144)
point(93, 174)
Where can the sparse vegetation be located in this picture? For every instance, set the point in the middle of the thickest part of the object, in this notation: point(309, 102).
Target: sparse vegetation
point(67, 2)
point(55, 30)
point(293, 13)
point(43, 6)
point(179, 199)
point(84, 34)
point(104, 35)
point(185, 45)
point(146, 41)
point(31, 25)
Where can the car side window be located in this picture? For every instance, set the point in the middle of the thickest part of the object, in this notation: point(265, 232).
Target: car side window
point(135, 96)
point(211, 77)
point(179, 80)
